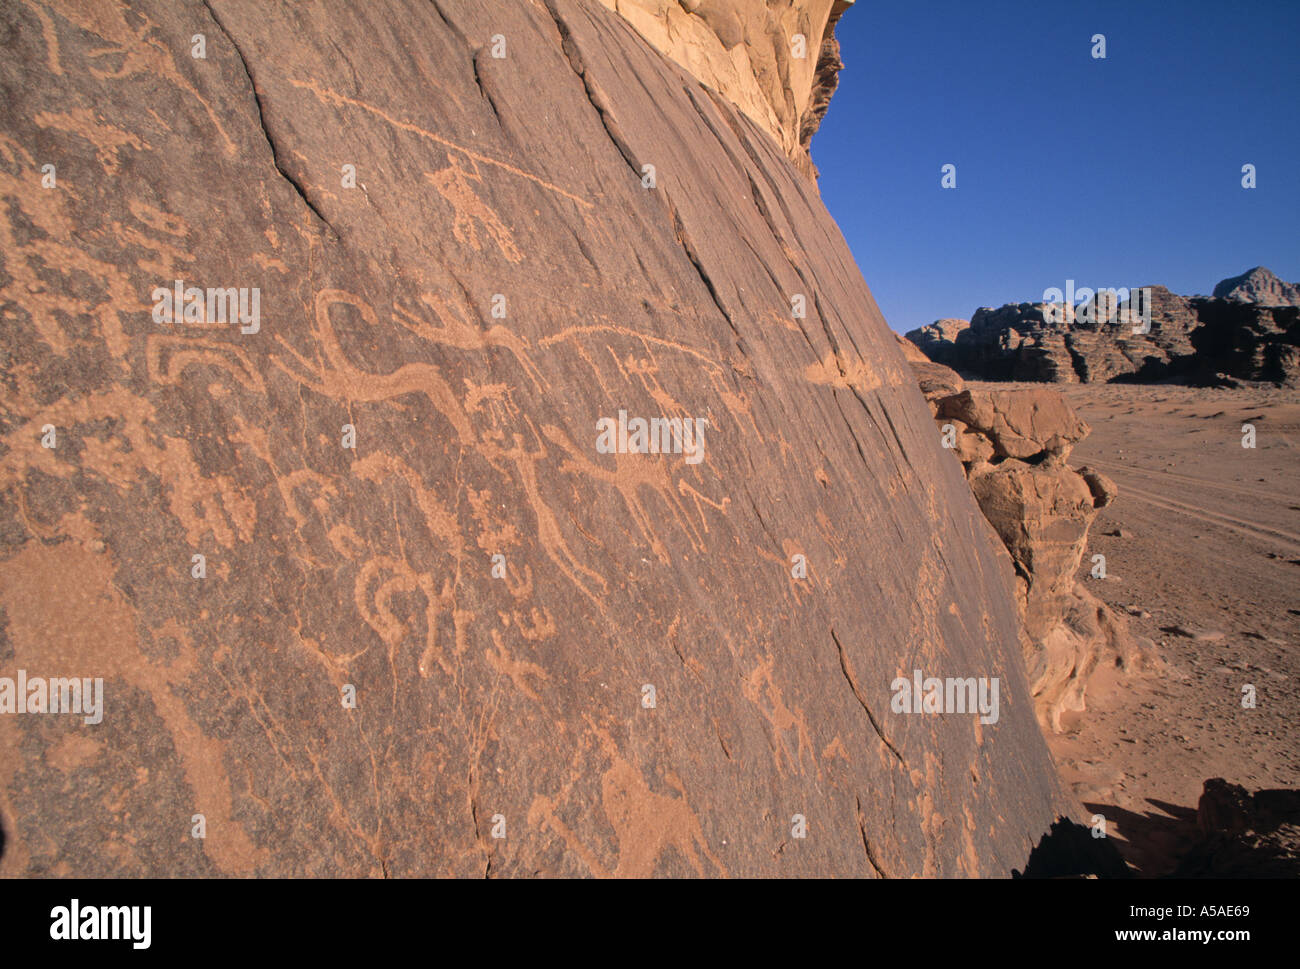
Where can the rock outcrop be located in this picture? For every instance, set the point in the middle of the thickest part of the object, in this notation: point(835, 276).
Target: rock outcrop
point(934, 379)
point(1013, 446)
point(365, 591)
point(1196, 339)
point(937, 341)
point(777, 61)
point(1244, 834)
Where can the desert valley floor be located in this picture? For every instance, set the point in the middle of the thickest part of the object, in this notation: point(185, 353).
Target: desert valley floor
point(1202, 552)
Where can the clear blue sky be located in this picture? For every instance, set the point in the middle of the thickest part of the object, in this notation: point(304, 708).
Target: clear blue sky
point(1117, 172)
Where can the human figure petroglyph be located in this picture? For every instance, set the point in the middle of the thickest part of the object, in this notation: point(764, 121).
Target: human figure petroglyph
point(456, 185)
point(327, 96)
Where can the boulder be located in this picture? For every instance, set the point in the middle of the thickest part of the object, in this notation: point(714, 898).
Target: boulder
point(935, 380)
point(1025, 424)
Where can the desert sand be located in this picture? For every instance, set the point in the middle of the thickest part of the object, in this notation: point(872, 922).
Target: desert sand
point(1202, 552)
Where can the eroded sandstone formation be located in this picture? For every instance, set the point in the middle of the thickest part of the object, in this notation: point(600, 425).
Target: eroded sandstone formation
point(1249, 330)
point(1013, 446)
point(364, 594)
point(777, 61)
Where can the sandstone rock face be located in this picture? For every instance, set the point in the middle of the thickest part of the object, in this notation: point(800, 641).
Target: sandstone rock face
point(778, 61)
point(1249, 341)
point(1013, 446)
point(1259, 285)
point(1194, 339)
point(365, 593)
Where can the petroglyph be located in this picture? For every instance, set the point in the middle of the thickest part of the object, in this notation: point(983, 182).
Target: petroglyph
point(834, 370)
point(631, 473)
point(95, 629)
point(333, 97)
point(167, 356)
point(645, 823)
point(516, 669)
point(761, 690)
point(375, 605)
point(119, 442)
point(456, 186)
point(135, 52)
point(552, 537)
point(456, 331)
point(107, 139)
point(342, 380)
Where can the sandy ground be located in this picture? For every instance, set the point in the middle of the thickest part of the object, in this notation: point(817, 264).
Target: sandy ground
point(1207, 565)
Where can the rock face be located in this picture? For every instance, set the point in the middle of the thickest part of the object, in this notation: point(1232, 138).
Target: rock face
point(366, 594)
point(1190, 339)
point(1259, 285)
point(1013, 447)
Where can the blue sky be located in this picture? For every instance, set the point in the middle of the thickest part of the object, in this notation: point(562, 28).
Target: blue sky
point(1117, 172)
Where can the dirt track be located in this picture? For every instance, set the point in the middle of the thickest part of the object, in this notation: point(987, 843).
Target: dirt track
point(1207, 566)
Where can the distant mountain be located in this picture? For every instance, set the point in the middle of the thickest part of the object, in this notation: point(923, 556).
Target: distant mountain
point(1259, 286)
point(1247, 330)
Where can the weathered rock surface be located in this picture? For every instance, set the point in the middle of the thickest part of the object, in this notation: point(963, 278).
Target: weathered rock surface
point(1190, 339)
point(510, 702)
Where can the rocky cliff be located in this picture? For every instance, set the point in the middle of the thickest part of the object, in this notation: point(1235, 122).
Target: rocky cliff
point(327, 327)
point(1249, 330)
